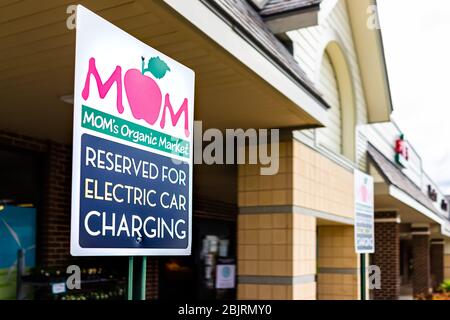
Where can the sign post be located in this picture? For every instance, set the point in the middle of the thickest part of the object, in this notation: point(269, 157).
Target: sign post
point(132, 149)
point(364, 222)
point(130, 278)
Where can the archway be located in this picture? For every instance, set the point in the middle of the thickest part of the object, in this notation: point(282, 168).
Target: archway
point(332, 48)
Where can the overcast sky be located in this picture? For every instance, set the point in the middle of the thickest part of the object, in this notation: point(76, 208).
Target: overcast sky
point(416, 36)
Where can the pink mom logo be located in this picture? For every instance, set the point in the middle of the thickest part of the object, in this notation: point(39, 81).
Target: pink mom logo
point(143, 93)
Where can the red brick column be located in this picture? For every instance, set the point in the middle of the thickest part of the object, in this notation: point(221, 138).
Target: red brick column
point(387, 255)
point(152, 278)
point(421, 259)
point(54, 210)
point(437, 262)
point(54, 226)
point(53, 230)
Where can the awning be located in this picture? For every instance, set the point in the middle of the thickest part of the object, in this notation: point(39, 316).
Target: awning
point(237, 86)
point(275, 7)
point(251, 25)
point(286, 15)
point(399, 192)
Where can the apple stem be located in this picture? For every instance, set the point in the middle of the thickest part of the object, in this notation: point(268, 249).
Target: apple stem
point(143, 65)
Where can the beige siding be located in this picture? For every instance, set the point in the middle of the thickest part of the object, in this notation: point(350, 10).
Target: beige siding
point(309, 45)
point(336, 254)
point(361, 147)
point(331, 136)
point(320, 184)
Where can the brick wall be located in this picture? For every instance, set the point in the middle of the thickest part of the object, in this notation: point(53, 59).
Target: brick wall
point(421, 263)
point(53, 234)
point(437, 262)
point(55, 221)
point(152, 278)
point(387, 255)
point(11, 140)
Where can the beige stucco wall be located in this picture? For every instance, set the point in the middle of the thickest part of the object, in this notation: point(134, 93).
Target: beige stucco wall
point(337, 264)
point(257, 190)
point(447, 267)
point(320, 183)
point(276, 245)
point(306, 179)
point(282, 245)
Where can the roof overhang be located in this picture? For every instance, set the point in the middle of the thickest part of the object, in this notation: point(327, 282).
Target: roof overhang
point(390, 198)
point(230, 38)
point(259, 3)
point(293, 19)
point(236, 85)
point(395, 191)
point(370, 52)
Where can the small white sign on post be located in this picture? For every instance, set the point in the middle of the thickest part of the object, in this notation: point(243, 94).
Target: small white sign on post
point(58, 288)
point(225, 276)
point(364, 213)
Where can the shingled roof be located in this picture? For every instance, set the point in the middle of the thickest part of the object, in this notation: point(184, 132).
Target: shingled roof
point(395, 176)
point(247, 21)
point(275, 7)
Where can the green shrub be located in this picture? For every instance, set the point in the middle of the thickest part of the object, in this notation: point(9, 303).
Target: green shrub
point(445, 286)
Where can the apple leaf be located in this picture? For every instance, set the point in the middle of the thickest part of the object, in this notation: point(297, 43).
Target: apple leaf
point(157, 67)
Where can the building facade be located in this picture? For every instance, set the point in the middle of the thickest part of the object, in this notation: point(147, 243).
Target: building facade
point(313, 69)
point(411, 216)
point(309, 205)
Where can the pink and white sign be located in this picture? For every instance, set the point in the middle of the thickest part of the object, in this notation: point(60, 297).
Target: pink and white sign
point(364, 213)
point(132, 145)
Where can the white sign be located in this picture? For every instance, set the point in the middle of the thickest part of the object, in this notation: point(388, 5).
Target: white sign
point(364, 213)
point(132, 146)
point(225, 276)
point(58, 288)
